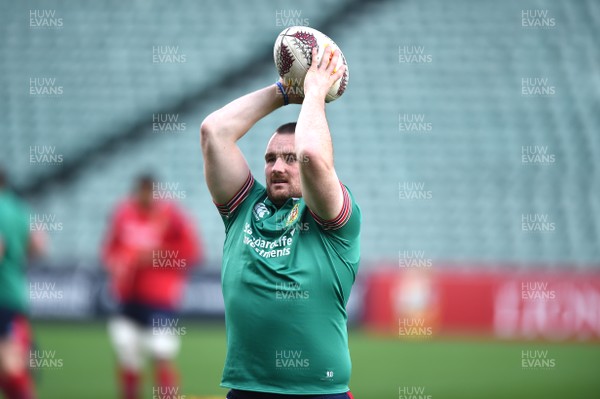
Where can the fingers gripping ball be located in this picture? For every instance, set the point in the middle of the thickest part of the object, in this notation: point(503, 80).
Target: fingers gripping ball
point(293, 57)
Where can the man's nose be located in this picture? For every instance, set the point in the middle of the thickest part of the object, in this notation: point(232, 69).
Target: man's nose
point(279, 164)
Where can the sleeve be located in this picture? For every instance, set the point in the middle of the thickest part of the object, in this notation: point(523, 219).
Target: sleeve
point(230, 210)
point(346, 225)
point(227, 209)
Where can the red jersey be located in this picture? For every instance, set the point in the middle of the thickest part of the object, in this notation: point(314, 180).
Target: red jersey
point(148, 253)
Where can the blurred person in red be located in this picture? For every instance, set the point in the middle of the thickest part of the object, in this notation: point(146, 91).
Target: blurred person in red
point(149, 250)
point(17, 242)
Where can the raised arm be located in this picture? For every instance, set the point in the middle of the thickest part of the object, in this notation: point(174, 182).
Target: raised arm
point(225, 167)
point(321, 188)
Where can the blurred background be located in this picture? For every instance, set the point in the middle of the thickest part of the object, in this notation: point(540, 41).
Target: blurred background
point(469, 135)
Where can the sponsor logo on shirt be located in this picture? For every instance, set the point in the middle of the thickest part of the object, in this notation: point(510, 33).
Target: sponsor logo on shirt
point(267, 248)
point(260, 211)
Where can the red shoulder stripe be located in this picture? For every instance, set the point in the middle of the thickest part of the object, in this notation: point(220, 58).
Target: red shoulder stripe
point(238, 198)
point(341, 219)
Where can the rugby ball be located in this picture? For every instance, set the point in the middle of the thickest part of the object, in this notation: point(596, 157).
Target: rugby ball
point(293, 57)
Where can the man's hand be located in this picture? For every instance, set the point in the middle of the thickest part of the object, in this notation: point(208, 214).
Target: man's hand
point(320, 78)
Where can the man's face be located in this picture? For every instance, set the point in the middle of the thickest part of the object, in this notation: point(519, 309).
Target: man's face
point(282, 172)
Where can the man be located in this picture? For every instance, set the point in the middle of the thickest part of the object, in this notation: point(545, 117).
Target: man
point(291, 250)
point(149, 250)
point(16, 243)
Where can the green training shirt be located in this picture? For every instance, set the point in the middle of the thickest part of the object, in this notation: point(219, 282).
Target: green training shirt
point(286, 279)
point(14, 236)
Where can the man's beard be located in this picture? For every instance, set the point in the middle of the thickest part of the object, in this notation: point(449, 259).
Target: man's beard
point(279, 197)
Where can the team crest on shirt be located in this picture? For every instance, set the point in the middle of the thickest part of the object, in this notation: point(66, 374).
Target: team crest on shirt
point(260, 211)
point(293, 215)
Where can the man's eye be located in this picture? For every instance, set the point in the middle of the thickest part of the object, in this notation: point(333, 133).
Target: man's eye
point(290, 158)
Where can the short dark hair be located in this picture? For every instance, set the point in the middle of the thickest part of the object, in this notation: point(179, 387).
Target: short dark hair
point(287, 128)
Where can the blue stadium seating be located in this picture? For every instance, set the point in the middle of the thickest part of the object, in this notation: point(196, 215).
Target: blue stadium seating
point(468, 90)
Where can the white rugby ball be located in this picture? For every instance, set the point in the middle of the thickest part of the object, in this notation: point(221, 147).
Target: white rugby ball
point(293, 57)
